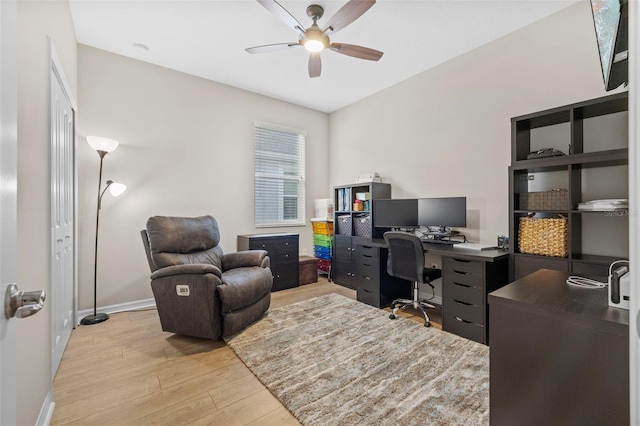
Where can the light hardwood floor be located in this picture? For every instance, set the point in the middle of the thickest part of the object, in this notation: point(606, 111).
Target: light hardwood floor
point(127, 371)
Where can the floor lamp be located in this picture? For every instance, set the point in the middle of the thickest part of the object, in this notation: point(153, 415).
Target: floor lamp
point(103, 146)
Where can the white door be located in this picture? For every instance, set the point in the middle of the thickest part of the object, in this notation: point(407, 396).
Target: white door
point(62, 212)
point(8, 130)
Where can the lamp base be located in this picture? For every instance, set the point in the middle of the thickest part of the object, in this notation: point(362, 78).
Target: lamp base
point(94, 319)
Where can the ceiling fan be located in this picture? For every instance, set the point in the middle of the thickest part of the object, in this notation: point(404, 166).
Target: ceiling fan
point(315, 39)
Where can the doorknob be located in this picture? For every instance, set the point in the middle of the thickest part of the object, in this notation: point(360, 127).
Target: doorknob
point(22, 304)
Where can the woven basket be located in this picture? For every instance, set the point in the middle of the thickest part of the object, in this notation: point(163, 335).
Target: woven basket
point(557, 199)
point(344, 224)
point(363, 225)
point(544, 236)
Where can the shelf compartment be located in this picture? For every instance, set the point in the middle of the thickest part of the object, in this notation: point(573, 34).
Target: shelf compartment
point(612, 157)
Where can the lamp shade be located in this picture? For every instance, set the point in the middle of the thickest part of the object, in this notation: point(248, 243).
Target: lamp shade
point(102, 144)
point(117, 188)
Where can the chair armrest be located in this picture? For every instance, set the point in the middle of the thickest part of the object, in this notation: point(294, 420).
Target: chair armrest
point(191, 269)
point(246, 258)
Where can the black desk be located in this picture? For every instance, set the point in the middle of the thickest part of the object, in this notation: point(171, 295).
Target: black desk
point(559, 354)
point(467, 277)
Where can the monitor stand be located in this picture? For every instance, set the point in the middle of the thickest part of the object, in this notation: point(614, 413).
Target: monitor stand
point(441, 235)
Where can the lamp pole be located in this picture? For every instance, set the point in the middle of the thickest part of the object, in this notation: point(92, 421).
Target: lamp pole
point(96, 317)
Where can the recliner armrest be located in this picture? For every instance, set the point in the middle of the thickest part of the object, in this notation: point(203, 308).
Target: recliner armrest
point(246, 258)
point(191, 269)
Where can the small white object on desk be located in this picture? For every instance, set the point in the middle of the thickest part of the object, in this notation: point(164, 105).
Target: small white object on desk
point(474, 246)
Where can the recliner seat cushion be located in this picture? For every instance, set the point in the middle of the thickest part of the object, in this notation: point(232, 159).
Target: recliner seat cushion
point(242, 287)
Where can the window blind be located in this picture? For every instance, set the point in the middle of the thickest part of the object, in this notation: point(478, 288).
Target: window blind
point(279, 176)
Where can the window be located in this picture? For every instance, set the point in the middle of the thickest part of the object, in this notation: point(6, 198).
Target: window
point(279, 176)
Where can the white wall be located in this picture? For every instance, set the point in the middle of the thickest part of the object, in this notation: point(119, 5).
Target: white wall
point(186, 149)
point(446, 131)
point(37, 20)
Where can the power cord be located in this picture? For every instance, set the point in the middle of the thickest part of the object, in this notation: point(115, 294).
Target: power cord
point(588, 282)
point(585, 282)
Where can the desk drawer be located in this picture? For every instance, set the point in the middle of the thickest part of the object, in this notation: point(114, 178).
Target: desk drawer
point(463, 293)
point(368, 296)
point(463, 278)
point(367, 267)
point(368, 282)
point(459, 265)
point(463, 328)
point(465, 311)
point(369, 251)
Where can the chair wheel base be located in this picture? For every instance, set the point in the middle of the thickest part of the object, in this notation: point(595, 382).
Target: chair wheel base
point(392, 316)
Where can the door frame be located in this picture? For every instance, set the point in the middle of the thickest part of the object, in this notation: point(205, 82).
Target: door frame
point(56, 71)
point(634, 217)
point(8, 203)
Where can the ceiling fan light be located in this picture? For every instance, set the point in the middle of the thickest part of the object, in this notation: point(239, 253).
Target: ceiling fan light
point(313, 45)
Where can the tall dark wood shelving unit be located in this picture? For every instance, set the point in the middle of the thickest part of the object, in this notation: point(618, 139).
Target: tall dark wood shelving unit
point(343, 263)
point(573, 125)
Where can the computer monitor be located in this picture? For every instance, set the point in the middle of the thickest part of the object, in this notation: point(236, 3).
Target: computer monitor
point(444, 212)
point(398, 213)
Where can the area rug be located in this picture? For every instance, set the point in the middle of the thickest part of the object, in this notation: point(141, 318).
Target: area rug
point(335, 361)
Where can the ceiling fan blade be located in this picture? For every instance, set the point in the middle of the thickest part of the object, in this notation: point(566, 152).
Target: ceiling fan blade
point(347, 14)
point(356, 51)
point(271, 47)
point(282, 14)
point(315, 64)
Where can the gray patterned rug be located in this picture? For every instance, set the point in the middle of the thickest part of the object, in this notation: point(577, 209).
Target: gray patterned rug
point(335, 361)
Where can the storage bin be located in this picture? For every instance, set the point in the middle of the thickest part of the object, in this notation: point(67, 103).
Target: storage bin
point(322, 252)
point(344, 224)
point(324, 227)
point(362, 225)
point(544, 236)
point(556, 199)
point(322, 240)
point(308, 270)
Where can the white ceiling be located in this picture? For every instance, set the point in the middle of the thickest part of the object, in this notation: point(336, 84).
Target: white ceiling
point(207, 38)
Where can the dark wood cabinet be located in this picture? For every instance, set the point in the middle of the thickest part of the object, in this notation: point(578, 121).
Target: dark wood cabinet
point(465, 286)
point(593, 137)
point(283, 252)
point(342, 264)
point(350, 225)
point(374, 286)
point(559, 354)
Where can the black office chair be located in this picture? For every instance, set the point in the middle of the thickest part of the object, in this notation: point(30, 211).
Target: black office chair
point(406, 261)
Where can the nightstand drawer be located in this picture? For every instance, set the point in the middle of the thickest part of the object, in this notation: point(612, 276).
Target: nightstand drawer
point(273, 243)
point(465, 311)
point(284, 256)
point(286, 278)
point(463, 278)
point(459, 265)
point(463, 293)
point(463, 328)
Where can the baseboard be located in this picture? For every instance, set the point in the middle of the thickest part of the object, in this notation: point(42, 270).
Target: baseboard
point(46, 411)
point(120, 307)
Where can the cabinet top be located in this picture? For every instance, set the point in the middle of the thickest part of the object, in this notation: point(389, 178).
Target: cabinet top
point(546, 291)
point(593, 107)
point(275, 235)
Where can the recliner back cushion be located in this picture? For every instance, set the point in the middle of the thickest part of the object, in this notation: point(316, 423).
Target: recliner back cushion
point(184, 240)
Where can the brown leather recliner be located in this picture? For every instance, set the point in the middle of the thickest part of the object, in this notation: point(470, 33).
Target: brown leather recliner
point(199, 290)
